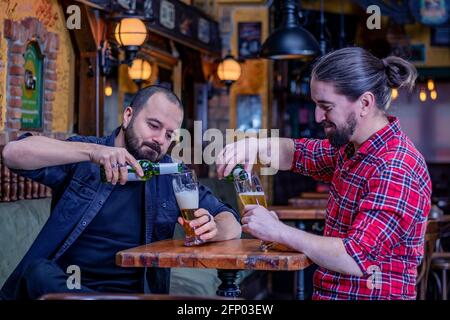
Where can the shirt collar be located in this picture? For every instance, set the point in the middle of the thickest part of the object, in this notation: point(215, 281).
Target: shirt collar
point(110, 139)
point(379, 138)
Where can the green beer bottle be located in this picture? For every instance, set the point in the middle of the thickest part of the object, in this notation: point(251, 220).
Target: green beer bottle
point(237, 174)
point(150, 169)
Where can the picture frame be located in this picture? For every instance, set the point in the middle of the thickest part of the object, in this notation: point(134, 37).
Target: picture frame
point(249, 39)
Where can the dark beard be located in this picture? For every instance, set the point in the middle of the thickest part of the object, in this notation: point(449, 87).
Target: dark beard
point(153, 153)
point(341, 137)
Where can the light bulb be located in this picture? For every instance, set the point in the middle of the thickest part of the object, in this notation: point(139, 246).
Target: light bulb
point(423, 96)
point(433, 95)
point(394, 94)
point(430, 84)
point(108, 91)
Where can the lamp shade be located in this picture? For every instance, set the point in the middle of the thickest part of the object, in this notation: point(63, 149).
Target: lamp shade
point(290, 40)
point(130, 32)
point(140, 70)
point(229, 70)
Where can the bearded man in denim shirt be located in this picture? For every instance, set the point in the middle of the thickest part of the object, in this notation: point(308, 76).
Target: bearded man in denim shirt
point(92, 220)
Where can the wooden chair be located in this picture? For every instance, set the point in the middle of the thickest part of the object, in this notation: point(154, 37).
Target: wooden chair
point(440, 262)
point(431, 238)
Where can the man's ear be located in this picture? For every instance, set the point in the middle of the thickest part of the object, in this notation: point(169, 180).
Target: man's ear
point(127, 115)
point(367, 103)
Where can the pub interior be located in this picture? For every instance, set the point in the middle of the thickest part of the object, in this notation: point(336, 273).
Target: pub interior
point(241, 68)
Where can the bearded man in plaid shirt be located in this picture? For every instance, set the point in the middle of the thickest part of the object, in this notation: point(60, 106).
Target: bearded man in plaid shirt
point(379, 184)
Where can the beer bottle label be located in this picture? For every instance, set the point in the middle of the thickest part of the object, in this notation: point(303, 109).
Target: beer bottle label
point(168, 168)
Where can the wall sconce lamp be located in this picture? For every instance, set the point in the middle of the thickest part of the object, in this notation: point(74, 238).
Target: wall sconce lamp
point(139, 71)
point(229, 70)
point(130, 34)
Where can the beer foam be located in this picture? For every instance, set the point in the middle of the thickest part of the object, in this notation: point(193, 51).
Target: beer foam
point(187, 199)
point(252, 193)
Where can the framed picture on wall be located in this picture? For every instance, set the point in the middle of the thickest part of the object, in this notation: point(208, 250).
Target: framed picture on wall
point(249, 112)
point(249, 39)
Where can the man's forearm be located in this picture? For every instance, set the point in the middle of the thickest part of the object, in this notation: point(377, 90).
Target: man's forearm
point(37, 152)
point(326, 252)
point(227, 227)
point(279, 152)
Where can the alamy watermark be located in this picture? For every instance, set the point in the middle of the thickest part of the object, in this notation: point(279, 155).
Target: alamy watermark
point(374, 20)
point(74, 280)
point(255, 146)
point(74, 19)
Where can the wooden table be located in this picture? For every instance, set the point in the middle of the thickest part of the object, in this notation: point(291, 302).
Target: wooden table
point(228, 257)
point(299, 215)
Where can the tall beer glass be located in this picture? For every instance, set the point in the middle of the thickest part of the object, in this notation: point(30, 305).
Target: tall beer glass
point(185, 187)
point(250, 191)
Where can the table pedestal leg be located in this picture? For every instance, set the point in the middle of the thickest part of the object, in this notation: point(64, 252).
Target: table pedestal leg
point(300, 285)
point(301, 273)
point(228, 287)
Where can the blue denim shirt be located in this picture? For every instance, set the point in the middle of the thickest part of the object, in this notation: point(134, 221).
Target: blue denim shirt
point(79, 194)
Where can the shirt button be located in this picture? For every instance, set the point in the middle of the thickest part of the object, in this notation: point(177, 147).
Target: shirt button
point(163, 205)
point(100, 202)
point(84, 223)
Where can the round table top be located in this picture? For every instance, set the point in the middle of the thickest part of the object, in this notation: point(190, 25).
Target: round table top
point(231, 254)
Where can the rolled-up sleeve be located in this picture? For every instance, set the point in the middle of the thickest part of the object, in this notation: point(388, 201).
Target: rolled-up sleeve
point(391, 208)
point(314, 158)
point(53, 176)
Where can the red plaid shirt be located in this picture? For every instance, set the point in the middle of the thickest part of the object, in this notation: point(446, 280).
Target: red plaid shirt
point(378, 205)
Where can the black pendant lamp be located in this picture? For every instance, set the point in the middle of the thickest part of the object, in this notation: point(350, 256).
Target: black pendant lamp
point(290, 40)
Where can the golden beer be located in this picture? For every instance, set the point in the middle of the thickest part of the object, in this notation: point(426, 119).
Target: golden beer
point(256, 197)
point(188, 203)
point(188, 215)
point(253, 197)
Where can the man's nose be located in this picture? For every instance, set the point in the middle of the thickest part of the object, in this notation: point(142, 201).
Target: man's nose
point(320, 115)
point(159, 139)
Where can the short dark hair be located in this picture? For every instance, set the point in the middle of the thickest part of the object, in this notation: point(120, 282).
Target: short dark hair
point(354, 71)
point(142, 96)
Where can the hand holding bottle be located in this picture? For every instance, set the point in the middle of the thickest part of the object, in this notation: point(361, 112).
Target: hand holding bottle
point(244, 151)
point(114, 162)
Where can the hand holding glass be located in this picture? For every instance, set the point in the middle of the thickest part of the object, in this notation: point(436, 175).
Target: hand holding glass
point(185, 186)
point(250, 191)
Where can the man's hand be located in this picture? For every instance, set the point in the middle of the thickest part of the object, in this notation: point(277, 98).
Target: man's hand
point(204, 224)
point(261, 223)
point(115, 161)
point(244, 151)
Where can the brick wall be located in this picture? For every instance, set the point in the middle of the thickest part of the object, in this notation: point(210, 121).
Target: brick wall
point(18, 35)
